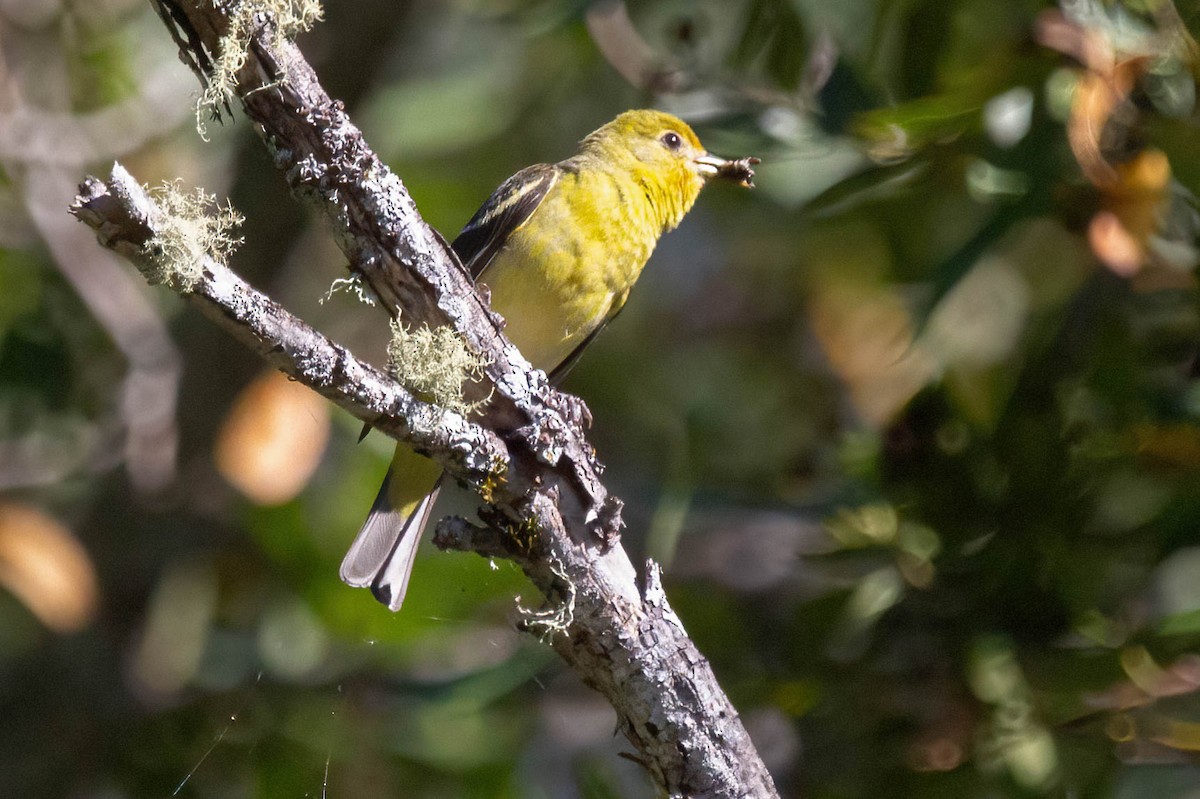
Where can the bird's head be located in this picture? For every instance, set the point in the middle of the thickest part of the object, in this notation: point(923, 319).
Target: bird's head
point(664, 154)
point(665, 143)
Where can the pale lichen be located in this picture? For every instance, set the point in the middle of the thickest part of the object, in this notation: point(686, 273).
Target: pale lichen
point(556, 619)
point(283, 18)
point(433, 363)
point(352, 285)
point(189, 228)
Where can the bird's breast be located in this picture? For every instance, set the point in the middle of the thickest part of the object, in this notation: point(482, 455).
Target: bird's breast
point(567, 270)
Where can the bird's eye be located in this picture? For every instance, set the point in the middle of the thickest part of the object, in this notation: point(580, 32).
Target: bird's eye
point(671, 140)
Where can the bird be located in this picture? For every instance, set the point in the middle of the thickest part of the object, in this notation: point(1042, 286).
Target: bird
point(558, 246)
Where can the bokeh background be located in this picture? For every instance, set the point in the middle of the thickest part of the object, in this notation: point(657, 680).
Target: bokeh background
point(913, 426)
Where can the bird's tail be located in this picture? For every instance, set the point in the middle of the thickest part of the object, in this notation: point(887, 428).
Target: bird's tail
point(381, 557)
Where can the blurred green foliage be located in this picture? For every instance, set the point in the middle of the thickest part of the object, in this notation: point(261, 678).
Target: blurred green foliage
point(914, 424)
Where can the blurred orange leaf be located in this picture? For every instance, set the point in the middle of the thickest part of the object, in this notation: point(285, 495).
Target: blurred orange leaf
point(1120, 235)
point(867, 334)
point(46, 567)
point(1134, 183)
point(273, 439)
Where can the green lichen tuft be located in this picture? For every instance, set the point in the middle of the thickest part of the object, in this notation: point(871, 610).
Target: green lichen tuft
point(526, 535)
point(433, 363)
point(288, 17)
point(497, 476)
point(191, 227)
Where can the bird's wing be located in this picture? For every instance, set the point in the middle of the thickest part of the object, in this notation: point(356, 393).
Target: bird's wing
point(509, 207)
point(559, 373)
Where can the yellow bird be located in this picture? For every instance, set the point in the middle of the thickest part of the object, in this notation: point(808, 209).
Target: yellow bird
point(559, 246)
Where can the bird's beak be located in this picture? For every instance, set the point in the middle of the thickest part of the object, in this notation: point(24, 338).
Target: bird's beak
point(711, 166)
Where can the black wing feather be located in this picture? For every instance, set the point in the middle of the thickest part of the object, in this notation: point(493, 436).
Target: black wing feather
point(509, 207)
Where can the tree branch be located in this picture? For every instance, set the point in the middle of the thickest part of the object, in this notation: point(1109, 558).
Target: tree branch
point(127, 219)
point(525, 453)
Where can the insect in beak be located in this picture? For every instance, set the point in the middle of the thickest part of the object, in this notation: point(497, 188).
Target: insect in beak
point(740, 170)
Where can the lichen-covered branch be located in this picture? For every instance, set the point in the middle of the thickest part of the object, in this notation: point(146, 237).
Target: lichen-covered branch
point(128, 219)
point(547, 508)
